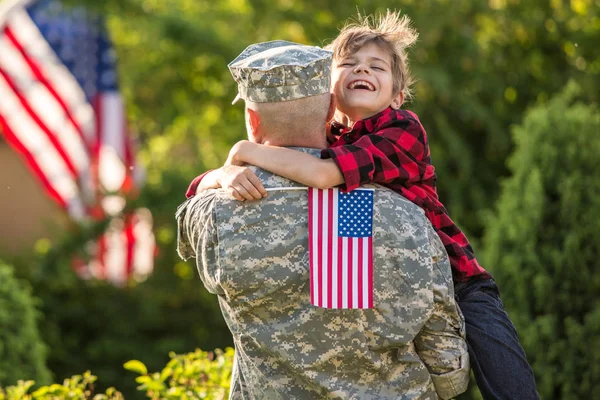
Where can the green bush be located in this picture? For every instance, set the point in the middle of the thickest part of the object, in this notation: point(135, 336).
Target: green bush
point(543, 244)
point(196, 375)
point(78, 387)
point(22, 352)
point(92, 325)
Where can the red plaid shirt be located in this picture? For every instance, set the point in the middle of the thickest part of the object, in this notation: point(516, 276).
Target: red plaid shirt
point(391, 149)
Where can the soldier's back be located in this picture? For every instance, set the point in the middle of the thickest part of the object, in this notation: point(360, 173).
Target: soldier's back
point(286, 347)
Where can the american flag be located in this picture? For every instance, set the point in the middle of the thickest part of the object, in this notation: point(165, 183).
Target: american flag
point(61, 109)
point(340, 238)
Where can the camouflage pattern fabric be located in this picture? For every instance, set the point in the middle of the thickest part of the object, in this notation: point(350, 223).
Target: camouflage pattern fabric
point(254, 257)
point(281, 71)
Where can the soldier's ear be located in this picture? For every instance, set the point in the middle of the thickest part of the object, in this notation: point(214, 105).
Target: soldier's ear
point(253, 121)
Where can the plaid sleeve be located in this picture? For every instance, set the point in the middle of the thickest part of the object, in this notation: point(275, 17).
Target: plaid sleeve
point(398, 152)
point(191, 190)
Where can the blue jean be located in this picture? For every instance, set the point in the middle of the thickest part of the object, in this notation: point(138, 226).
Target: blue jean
point(497, 358)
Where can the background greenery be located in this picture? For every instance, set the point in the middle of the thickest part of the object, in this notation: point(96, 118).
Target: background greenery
point(481, 65)
point(22, 352)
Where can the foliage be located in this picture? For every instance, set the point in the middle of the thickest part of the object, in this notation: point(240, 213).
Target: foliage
point(22, 352)
point(92, 324)
point(197, 375)
point(78, 387)
point(480, 63)
point(543, 244)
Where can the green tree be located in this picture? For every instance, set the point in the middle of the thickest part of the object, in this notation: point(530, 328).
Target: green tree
point(543, 244)
point(22, 352)
point(480, 63)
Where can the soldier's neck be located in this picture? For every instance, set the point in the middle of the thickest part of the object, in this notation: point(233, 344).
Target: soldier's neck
point(315, 140)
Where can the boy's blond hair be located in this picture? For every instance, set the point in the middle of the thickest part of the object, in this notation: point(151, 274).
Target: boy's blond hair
point(391, 32)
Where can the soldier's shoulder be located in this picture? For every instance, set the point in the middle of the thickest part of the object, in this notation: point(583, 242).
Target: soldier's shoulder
point(387, 197)
point(397, 209)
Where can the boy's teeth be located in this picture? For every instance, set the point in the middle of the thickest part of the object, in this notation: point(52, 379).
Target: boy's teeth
point(365, 84)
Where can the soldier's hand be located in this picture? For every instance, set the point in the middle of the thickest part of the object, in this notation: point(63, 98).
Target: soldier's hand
point(241, 183)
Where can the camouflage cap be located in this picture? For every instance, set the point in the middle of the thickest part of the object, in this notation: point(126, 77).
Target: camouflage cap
point(280, 71)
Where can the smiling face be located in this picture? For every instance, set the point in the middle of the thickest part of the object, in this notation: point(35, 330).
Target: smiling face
point(363, 84)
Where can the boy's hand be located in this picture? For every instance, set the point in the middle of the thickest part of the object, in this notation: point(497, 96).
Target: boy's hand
point(241, 183)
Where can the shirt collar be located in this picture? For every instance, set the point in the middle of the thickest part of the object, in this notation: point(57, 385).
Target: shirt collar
point(371, 124)
point(362, 127)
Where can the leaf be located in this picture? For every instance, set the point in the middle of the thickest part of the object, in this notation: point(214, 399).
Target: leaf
point(143, 379)
point(136, 366)
point(40, 392)
point(165, 373)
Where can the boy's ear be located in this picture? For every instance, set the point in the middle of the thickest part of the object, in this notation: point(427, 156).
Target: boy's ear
point(398, 101)
point(332, 105)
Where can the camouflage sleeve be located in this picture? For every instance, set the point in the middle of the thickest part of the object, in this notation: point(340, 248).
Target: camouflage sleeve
point(441, 343)
point(197, 235)
point(237, 387)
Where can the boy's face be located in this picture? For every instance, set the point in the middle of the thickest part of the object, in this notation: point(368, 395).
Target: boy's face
point(363, 84)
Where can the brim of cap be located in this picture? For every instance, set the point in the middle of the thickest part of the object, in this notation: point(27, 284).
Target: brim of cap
point(236, 99)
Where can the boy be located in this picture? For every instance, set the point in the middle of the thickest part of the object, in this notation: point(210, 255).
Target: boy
point(373, 140)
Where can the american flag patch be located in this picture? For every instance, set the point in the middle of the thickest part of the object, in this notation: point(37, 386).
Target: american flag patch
point(341, 248)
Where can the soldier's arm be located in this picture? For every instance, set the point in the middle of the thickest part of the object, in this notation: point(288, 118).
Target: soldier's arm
point(441, 343)
point(197, 235)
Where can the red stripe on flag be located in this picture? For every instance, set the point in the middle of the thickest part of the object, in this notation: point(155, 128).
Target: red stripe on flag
point(370, 266)
point(12, 139)
point(60, 150)
point(37, 72)
point(97, 105)
point(311, 249)
point(319, 297)
point(360, 273)
point(340, 256)
point(130, 237)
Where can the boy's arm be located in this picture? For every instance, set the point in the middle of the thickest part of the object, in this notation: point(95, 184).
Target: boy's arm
point(398, 152)
point(292, 164)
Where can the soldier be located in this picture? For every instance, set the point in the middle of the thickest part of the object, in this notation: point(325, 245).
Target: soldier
point(254, 257)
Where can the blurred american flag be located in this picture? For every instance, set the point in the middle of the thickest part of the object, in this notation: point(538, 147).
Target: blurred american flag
point(61, 109)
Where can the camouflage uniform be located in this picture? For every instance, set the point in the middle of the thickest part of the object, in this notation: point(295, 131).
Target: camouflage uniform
point(254, 257)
